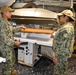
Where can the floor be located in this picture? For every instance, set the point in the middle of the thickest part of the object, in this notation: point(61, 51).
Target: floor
point(44, 67)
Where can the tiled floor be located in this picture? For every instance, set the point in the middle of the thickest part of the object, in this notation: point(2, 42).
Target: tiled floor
point(44, 67)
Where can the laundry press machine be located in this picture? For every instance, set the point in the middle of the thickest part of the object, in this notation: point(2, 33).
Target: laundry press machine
point(28, 51)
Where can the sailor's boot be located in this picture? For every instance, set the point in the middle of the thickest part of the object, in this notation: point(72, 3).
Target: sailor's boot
point(14, 72)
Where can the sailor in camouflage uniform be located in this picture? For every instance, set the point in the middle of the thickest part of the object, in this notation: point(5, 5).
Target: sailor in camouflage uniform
point(63, 42)
point(7, 42)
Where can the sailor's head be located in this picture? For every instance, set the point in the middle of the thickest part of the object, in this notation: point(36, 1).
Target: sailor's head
point(6, 11)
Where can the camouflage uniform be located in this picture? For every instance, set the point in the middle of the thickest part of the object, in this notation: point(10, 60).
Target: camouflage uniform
point(63, 48)
point(7, 45)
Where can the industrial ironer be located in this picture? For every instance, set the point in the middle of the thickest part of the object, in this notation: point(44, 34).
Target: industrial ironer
point(31, 39)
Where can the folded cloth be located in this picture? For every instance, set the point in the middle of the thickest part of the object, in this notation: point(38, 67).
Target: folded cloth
point(2, 59)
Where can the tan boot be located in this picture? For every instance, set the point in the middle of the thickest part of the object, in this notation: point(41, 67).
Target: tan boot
point(14, 72)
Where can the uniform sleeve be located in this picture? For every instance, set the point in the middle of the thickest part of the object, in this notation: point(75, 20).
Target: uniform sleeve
point(16, 29)
point(5, 35)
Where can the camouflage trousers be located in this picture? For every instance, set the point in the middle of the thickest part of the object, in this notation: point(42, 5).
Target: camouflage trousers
point(8, 66)
point(61, 68)
point(0, 68)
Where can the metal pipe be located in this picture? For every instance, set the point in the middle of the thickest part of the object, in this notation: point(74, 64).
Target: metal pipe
point(71, 3)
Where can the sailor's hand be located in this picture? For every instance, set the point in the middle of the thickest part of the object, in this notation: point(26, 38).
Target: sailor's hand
point(17, 43)
point(55, 60)
point(52, 36)
point(23, 27)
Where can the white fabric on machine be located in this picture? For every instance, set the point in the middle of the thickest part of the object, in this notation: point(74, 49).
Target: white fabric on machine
point(2, 59)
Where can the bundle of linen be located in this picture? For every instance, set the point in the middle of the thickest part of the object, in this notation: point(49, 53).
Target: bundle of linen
point(2, 59)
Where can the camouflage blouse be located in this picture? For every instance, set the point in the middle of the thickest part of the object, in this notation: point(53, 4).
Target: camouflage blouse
point(6, 33)
point(63, 40)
